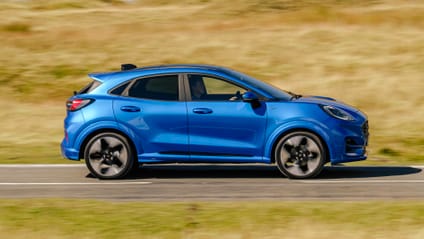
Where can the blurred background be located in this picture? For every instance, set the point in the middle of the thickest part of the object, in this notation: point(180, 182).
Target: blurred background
point(367, 53)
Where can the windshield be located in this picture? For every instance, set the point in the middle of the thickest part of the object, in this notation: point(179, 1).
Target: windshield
point(275, 92)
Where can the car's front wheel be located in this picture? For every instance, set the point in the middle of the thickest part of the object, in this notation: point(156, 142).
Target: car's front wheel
point(109, 156)
point(300, 155)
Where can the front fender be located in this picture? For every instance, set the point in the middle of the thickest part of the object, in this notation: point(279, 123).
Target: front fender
point(313, 126)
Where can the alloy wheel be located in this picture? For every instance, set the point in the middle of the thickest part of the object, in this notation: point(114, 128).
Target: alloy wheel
point(108, 156)
point(300, 155)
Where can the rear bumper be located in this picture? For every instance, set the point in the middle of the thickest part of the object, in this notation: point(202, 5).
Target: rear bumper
point(69, 153)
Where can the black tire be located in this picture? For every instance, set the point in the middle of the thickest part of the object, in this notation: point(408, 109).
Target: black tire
point(109, 156)
point(300, 155)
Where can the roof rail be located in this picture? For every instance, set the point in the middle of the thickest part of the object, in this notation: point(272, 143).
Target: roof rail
point(127, 67)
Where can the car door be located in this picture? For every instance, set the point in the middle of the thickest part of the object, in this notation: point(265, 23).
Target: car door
point(152, 108)
point(221, 126)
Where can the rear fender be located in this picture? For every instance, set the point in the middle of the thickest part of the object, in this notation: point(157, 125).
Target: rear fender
point(102, 126)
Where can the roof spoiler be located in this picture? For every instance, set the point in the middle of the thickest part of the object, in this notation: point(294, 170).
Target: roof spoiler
point(127, 67)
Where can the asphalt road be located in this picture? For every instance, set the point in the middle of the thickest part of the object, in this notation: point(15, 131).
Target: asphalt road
point(213, 183)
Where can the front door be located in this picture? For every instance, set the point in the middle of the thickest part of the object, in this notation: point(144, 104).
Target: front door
point(221, 126)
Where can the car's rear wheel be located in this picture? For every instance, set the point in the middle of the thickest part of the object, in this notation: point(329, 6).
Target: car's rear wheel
point(300, 155)
point(109, 156)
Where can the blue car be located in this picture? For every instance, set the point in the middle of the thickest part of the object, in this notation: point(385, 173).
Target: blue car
point(206, 114)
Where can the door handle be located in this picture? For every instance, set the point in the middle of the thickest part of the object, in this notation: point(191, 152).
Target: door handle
point(202, 111)
point(130, 109)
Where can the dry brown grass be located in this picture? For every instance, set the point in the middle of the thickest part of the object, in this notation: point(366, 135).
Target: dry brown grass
point(367, 53)
point(55, 218)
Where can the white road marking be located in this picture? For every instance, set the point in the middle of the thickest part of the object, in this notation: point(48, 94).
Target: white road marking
point(73, 184)
point(360, 181)
point(329, 181)
point(42, 165)
point(417, 166)
point(83, 165)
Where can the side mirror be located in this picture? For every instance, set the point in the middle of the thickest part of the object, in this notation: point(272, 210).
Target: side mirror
point(251, 98)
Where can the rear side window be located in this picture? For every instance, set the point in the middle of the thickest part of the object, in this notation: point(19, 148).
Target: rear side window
point(156, 88)
point(120, 89)
point(90, 87)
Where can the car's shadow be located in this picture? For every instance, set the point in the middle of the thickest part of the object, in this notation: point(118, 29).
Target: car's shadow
point(263, 171)
point(340, 172)
point(208, 171)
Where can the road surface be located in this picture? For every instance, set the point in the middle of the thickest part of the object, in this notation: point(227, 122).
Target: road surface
point(213, 183)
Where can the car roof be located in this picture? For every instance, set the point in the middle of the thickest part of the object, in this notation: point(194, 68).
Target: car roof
point(156, 69)
point(114, 78)
point(168, 66)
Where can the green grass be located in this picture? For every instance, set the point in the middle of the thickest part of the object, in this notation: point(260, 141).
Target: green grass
point(17, 27)
point(57, 218)
point(367, 53)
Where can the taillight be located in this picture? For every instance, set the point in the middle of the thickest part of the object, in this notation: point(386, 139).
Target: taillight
point(76, 104)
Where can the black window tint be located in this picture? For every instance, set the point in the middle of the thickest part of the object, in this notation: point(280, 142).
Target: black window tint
point(90, 87)
point(119, 90)
point(156, 88)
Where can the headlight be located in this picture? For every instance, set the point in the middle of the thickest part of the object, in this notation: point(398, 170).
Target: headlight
point(337, 113)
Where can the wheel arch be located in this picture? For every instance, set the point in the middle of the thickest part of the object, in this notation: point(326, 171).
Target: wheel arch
point(106, 130)
point(280, 134)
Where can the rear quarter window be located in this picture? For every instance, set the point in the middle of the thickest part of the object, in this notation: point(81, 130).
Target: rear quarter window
point(90, 87)
point(120, 89)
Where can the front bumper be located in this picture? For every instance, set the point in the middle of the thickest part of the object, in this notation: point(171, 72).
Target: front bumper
point(352, 143)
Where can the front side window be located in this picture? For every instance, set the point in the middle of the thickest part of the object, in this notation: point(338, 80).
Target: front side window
point(206, 88)
point(156, 88)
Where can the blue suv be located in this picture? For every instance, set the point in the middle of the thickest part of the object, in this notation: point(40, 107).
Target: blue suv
point(206, 114)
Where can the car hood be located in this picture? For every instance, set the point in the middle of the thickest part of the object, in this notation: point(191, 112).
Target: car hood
point(322, 100)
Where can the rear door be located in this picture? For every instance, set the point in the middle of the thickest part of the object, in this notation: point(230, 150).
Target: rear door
point(152, 108)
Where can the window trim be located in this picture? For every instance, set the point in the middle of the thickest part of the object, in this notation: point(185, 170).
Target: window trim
point(90, 87)
point(132, 82)
point(129, 82)
point(187, 90)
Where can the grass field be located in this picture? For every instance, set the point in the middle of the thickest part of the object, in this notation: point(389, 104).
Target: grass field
point(367, 53)
point(55, 218)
